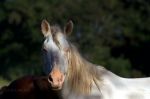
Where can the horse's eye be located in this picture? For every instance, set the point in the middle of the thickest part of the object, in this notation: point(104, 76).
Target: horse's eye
point(44, 49)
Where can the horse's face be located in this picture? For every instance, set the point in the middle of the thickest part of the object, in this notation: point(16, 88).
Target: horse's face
point(55, 51)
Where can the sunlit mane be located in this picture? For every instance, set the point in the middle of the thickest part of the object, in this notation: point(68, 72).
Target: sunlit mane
point(81, 73)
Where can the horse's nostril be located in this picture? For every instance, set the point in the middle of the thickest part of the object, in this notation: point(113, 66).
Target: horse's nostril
point(50, 78)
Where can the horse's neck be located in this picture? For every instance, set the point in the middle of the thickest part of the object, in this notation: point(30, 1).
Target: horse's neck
point(103, 74)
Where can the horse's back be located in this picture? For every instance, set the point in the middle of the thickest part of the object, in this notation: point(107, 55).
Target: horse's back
point(18, 89)
point(116, 87)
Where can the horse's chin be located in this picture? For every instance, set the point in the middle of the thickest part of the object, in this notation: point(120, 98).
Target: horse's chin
point(56, 88)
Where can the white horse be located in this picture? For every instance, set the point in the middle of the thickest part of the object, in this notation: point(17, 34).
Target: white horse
point(80, 79)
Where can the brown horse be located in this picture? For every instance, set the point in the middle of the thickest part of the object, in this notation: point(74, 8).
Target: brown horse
point(29, 87)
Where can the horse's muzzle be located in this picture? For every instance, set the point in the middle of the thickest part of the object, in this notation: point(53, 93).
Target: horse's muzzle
point(56, 79)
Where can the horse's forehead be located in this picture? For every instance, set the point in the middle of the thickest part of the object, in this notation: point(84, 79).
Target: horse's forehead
point(57, 37)
point(60, 37)
point(55, 29)
point(57, 34)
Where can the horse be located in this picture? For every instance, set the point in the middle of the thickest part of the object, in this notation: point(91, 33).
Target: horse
point(29, 87)
point(76, 77)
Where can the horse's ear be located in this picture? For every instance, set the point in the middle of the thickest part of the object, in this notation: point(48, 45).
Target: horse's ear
point(45, 27)
point(68, 28)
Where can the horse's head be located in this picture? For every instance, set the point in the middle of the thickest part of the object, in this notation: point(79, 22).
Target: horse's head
point(55, 51)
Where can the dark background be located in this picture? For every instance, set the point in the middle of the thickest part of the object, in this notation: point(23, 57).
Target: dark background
point(112, 33)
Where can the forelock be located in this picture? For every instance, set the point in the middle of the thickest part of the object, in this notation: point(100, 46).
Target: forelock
point(55, 29)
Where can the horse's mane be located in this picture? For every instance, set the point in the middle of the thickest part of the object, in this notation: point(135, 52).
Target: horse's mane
point(81, 73)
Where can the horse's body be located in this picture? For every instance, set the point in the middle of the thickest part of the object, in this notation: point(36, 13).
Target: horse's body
point(29, 87)
point(80, 79)
point(111, 86)
point(115, 87)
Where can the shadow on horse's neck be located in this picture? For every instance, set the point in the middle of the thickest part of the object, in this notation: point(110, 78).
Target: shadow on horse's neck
point(81, 73)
